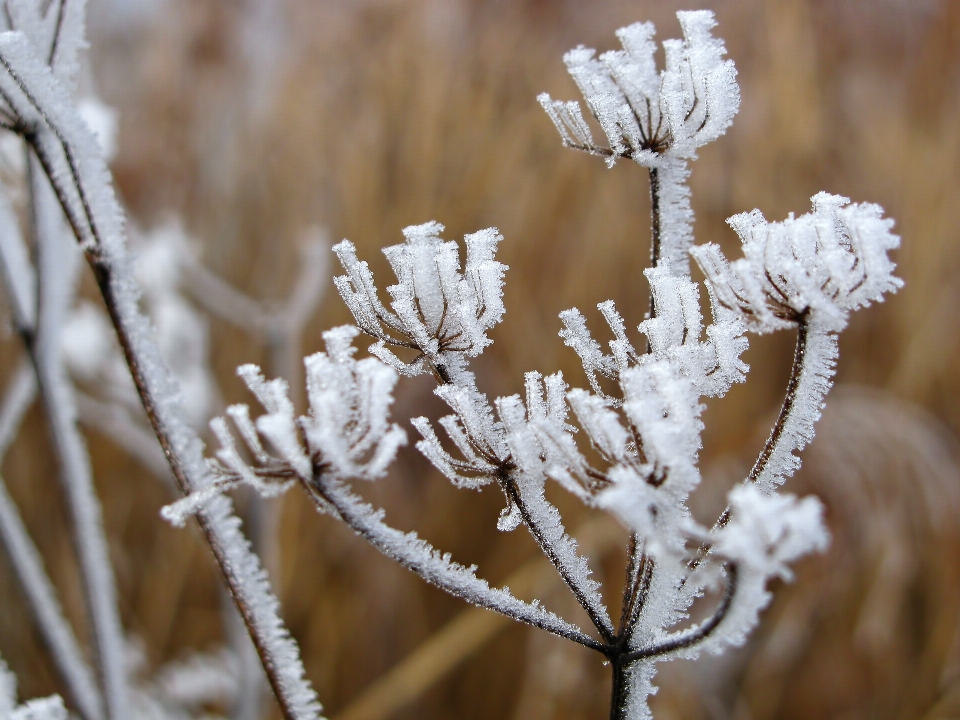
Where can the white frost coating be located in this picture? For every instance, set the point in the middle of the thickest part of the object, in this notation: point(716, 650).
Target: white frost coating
point(538, 513)
point(768, 532)
point(57, 266)
point(70, 155)
point(436, 568)
point(102, 121)
point(649, 116)
point(656, 119)
point(262, 610)
point(54, 627)
point(437, 310)
point(676, 215)
point(56, 29)
point(48, 708)
point(347, 431)
point(510, 452)
point(828, 262)
point(815, 379)
point(765, 535)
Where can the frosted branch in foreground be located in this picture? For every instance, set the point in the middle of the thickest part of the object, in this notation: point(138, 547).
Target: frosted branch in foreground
point(345, 435)
point(810, 272)
point(346, 431)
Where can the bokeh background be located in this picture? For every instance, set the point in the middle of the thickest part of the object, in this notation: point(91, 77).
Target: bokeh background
point(252, 120)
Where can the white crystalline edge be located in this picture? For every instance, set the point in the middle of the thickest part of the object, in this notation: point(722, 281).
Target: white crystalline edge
point(432, 301)
point(696, 95)
point(676, 215)
point(247, 577)
point(436, 568)
point(544, 518)
point(48, 708)
point(816, 377)
point(829, 262)
point(43, 601)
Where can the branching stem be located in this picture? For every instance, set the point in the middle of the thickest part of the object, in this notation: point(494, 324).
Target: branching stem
point(597, 615)
point(329, 494)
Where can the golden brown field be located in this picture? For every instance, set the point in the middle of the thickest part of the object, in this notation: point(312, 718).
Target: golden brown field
point(253, 121)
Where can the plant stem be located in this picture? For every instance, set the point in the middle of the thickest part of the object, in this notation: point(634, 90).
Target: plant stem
point(629, 609)
point(655, 229)
point(331, 495)
point(796, 372)
point(597, 615)
point(619, 689)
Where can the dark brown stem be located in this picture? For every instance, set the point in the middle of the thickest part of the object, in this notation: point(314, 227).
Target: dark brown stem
point(654, 222)
point(234, 584)
point(790, 397)
point(600, 622)
point(796, 373)
point(632, 586)
point(620, 689)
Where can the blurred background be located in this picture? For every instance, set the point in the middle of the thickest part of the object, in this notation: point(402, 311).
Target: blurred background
point(253, 120)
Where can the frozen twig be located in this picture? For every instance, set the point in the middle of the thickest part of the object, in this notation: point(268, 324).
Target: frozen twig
point(69, 156)
point(28, 565)
point(56, 282)
point(57, 634)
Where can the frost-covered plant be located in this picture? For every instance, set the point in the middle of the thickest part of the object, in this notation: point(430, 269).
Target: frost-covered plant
point(67, 192)
point(630, 446)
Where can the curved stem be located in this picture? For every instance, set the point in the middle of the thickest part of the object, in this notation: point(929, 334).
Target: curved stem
point(596, 612)
point(694, 635)
point(776, 434)
point(796, 372)
point(426, 562)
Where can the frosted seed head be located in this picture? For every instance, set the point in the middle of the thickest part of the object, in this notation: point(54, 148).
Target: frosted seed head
point(827, 262)
point(437, 309)
point(768, 532)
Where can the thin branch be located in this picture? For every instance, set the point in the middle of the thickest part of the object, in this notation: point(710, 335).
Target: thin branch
point(694, 635)
point(595, 611)
point(102, 238)
point(422, 559)
point(796, 372)
point(75, 472)
point(452, 644)
point(28, 565)
point(776, 434)
point(18, 399)
point(128, 432)
point(46, 609)
point(221, 299)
